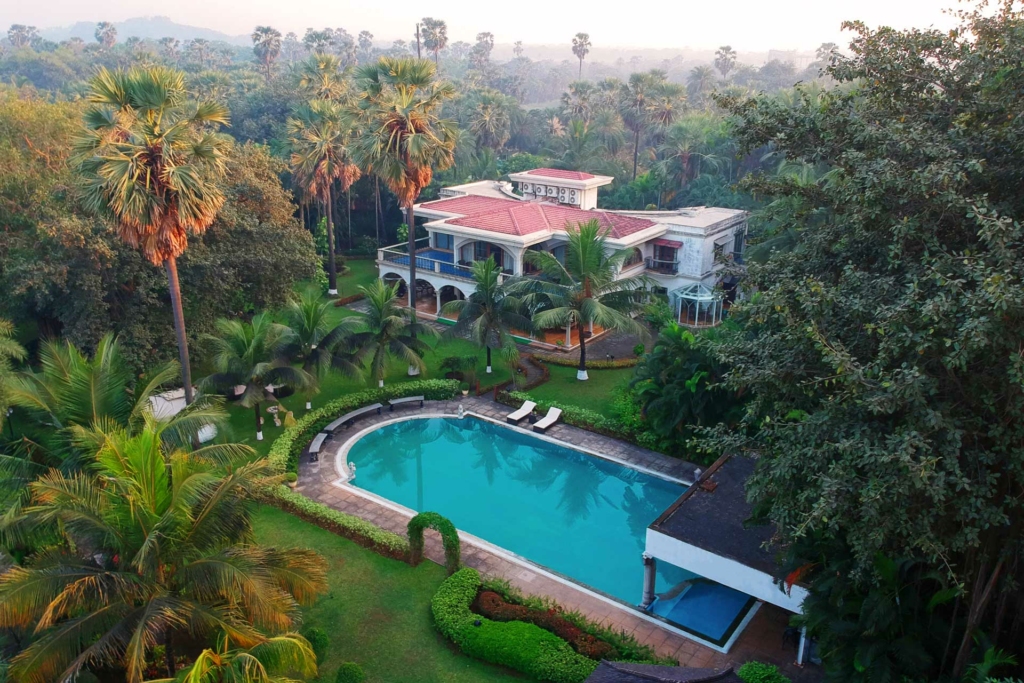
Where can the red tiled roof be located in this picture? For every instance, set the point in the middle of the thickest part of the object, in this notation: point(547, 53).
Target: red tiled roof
point(523, 218)
point(562, 174)
point(469, 204)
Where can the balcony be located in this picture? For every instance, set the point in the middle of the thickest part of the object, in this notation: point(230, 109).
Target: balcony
point(662, 267)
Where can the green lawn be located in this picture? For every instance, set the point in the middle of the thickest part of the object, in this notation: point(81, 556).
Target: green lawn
point(376, 610)
point(241, 426)
point(360, 272)
point(594, 394)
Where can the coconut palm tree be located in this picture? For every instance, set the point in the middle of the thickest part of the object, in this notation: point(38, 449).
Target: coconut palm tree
point(578, 149)
point(252, 355)
point(578, 100)
point(105, 34)
point(266, 44)
point(157, 548)
point(318, 134)
point(700, 83)
point(307, 318)
point(581, 48)
point(71, 392)
point(583, 291)
point(403, 138)
point(153, 163)
point(490, 314)
point(10, 350)
point(689, 148)
point(270, 661)
point(385, 332)
point(491, 121)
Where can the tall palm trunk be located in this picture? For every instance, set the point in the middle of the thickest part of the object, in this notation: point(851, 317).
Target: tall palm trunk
point(488, 360)
point(173, 285)
point(636, 149)
point(581, 70)
point(259, 427)
point(410, 218)
point(581, 371)
point(332, 272)
point(376, 209)
point(348, 214)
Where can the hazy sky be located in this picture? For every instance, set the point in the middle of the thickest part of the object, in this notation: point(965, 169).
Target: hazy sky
point(745, 24)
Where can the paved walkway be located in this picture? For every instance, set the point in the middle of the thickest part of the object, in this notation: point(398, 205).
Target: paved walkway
point(761, 640)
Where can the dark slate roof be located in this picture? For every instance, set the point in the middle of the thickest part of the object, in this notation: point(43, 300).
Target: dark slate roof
point(715, 520)
point(627, 672)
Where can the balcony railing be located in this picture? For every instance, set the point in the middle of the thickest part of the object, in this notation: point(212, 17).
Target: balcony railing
point(662, 267)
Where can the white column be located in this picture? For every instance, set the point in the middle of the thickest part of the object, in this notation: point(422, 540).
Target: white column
point(650, 575)
point(802, 650)
point(438, 293)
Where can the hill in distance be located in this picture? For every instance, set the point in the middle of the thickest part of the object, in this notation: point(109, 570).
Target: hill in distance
point(144, 27)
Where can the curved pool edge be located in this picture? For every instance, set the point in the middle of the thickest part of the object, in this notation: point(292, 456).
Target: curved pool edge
point(344, 474)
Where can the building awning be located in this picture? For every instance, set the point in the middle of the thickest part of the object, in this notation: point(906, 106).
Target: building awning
point(667, 243)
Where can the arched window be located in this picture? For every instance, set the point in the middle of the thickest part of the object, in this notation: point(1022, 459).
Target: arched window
point(635, 258)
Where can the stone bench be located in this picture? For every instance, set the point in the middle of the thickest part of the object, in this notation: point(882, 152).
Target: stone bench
point(348, 417)
point(408, 399)
point(314, 447)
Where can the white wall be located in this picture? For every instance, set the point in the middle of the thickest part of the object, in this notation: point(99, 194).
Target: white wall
point(723, 570)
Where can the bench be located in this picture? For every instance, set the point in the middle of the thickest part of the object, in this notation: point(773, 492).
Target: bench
point(314, 447)
point(551, 418)
point(524, 410)
point(408, 399)
point(348, 417)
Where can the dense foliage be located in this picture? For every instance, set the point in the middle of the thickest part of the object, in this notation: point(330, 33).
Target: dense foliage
point(883, 348)
point(449, 539)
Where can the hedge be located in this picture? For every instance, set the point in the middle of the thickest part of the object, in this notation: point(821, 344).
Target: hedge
point(592, 364)
point(354, 528)
point(285, 451)
point(759, 672)
point(449, 538)
point(571, 415)
point(521, 646)
point(342, 301)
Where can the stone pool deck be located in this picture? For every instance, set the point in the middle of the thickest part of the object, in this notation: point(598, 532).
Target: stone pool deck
point(762, 639)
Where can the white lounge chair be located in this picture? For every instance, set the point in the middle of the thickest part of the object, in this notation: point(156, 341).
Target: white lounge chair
point(551, 418)
point(523, 411)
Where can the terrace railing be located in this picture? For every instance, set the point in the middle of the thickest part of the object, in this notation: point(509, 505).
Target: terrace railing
point(662, 267)
point(399, 255)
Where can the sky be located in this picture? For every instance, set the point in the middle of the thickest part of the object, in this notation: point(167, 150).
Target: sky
point(747, 25)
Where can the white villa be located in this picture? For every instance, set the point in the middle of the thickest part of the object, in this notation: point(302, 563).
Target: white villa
point(682, 251)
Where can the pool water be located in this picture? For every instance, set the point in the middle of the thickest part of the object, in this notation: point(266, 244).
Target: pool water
point(581, 516)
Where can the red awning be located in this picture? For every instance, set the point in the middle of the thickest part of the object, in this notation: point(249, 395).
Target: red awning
point(668, 243)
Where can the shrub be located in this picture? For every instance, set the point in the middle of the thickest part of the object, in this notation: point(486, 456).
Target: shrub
point(291, 477)
point(349, 672)
point(449, 538)
point(592, 364)
point(345, 300)
point(359, 530)
point(759, 672)
point(639, 350)
point(516, 644)
point(318, 640)
point(285, 451)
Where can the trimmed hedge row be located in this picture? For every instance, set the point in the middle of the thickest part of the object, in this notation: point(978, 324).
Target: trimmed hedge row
point(285, 451)
point(342, 301)
point(351, 527)
point(594, 364)
point(525, 647)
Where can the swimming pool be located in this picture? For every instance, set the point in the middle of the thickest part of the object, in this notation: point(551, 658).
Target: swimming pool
point(578, 515)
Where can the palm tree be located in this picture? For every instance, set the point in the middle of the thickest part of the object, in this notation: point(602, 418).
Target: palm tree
point(153, 164)
point(689, 148)
point(21, 35)
point(106, 34)
point(323, 77)
point(10, 350)
point(266, 44)
point(491, 122)
point(725, 60)
point(72, 391)
point(253, 355)
point(385, 332)
point(700, 83)
point(319, 135)
point(579, 150)
point(403, 138)
point(632, 104)
point(170, 48)
point(584, 290)
point(435, 36)
point(580, 48)
point(270, 661)
point(578, 100)
point(157, 548)
point(490, 314)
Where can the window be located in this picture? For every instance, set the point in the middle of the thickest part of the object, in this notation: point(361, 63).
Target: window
point(635, 258)
point(443, 241)
point(737, 244)
point(666, 254)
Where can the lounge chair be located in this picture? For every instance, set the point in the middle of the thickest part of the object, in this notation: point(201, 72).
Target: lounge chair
point(551, 418)
point(524, 410)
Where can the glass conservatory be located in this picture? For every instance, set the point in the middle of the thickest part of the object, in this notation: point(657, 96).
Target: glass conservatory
point(698, 305)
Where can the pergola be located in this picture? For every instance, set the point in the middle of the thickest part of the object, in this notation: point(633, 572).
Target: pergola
point(698, 305)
